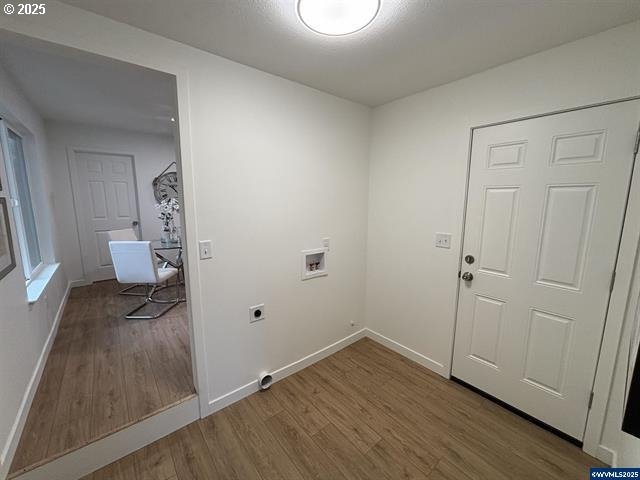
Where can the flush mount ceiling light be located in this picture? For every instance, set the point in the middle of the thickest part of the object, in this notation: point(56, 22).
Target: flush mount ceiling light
point(337, 17)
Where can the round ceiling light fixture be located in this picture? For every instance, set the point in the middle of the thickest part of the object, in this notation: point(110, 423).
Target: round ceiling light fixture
point(337, 17)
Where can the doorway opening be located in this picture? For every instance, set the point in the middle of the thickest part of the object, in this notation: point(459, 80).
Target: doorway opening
point(123, 348)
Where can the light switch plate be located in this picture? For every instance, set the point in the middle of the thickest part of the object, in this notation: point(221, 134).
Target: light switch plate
point(443, 240)
point(205, 249)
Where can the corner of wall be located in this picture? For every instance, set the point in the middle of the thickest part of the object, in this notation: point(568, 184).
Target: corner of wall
point(11, 444)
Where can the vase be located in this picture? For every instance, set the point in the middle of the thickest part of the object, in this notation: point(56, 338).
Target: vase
point(165, 236)
point(173, 234)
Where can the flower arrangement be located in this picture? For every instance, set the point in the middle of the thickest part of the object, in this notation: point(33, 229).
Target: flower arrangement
point(167, 208)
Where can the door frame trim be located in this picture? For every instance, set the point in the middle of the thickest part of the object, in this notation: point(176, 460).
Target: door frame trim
point(618, 297)
point(74, 174)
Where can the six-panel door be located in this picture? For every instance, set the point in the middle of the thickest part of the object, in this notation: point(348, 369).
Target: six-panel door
point(544, 217)
point(107, 192)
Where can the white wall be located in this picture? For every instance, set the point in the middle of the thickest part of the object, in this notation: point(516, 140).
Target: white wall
point(418, 167)
point(271, 167)
point(152, 154)
point(24, 329)
point(278, 167)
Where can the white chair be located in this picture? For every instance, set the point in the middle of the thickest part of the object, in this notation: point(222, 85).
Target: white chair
point(135, 262)
point(126, 234)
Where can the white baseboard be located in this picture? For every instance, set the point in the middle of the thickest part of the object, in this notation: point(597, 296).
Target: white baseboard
point(606, 455)
point(246, 390)
point(102, 452)
point(409, 353)
point(317, 356)
point(79, 283)
point(18, 425)
point(252, 387)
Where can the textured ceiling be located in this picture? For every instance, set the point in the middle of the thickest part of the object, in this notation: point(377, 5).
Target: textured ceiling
point(69, 85)
point(412, 44)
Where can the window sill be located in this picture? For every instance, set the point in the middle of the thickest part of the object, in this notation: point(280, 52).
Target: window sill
point(38, 284)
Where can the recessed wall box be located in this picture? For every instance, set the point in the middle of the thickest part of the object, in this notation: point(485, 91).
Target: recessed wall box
point(314, 263)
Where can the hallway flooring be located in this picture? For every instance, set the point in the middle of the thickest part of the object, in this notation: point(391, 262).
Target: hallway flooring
point(104, 373)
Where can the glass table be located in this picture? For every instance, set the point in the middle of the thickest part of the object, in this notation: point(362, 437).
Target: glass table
point(162, 250)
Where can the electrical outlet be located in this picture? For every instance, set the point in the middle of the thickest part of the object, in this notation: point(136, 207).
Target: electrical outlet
point(443, 240)
point(256, 313)
point(326, 242)
point(205, 249)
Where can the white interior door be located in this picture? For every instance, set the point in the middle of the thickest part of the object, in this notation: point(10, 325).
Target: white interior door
point(105, 196)
point(544, 216)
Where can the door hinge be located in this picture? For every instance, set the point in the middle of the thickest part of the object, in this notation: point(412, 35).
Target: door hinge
point(612, 282)
point(459, 273)
point(590, 400)
point(637, 145)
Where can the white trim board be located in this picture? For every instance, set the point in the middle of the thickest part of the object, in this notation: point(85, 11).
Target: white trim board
point(407, 352)
point(6, 457)
point(623, 294)
point(102, 452)
point(244, 391)
point(79, 283)
point(606, 455)
point(602, 452)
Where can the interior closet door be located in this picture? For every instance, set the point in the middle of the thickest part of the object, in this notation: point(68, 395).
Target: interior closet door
point(544, 217)
point(106, 199)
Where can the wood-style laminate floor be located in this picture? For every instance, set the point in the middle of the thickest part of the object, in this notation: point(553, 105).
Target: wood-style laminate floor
point(104, 373)
point(365, 413)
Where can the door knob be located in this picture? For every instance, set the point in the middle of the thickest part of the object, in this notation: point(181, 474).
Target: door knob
point(467, 276)
point(135, 223)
